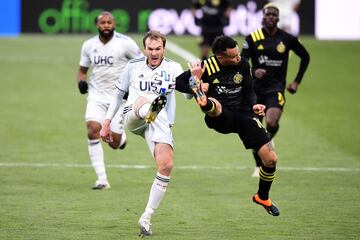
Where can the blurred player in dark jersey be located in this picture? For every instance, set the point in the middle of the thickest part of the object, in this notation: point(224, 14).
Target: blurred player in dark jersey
point(223, 88)
point(268, 49)
point(215, 16)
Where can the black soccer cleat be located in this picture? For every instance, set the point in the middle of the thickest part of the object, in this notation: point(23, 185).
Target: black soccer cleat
point(156, 106)
point(267, 205)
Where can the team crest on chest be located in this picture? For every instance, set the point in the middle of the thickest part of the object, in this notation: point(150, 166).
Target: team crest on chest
point(238, 78)
point(281, 47)
point(215, 2)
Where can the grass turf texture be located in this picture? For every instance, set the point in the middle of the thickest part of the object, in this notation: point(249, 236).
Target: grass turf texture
point(42, 122)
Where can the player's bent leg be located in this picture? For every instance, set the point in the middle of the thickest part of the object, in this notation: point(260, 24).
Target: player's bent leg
point(138, 104)
point(268, 155)
point(119, 141)
point(135, 114)
point(266, 177)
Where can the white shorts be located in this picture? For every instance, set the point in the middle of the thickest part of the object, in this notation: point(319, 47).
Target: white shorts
point(96, 111)
point(158, 131)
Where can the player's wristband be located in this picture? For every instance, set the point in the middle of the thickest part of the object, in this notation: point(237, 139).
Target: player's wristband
point(83, 86)
point(194, 82)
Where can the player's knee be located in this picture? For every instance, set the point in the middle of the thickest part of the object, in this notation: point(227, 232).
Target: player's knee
point(268, 155)
point(93, 129)
point(165, 163)
point(166, 166)
point(270, 160)
point(139, 102)
point(272, 124)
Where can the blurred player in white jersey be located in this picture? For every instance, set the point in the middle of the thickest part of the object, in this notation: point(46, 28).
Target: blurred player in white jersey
point(107, 54)
point(149, 112)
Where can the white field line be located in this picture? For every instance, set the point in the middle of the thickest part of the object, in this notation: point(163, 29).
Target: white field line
point(124, 166)
point(176, 49)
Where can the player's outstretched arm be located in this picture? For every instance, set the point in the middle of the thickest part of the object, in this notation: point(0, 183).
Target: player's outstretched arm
point(197, 71)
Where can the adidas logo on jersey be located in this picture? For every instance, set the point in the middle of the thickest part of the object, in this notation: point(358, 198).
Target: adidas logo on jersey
point(260, 47)
point(141, 76)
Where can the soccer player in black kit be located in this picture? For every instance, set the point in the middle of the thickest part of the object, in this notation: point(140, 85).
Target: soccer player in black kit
point(215, 17)
point(268, 49)
point(223, 88)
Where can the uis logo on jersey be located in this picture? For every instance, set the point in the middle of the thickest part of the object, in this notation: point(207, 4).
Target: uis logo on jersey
point(159, 83)
point(103, 60)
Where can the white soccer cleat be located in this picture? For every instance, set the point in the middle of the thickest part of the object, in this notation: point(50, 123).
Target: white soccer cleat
point(101, 185)
point(145, 225)
point(256, 172)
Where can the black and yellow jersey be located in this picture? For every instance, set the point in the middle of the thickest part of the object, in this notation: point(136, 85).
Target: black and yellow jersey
point(272, 54)
point(232, 85)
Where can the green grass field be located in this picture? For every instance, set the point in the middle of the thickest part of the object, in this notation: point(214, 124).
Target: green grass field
point(45, 173)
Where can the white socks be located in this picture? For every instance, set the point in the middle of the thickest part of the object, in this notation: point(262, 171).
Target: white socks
point(157, 192)
point(96, 155)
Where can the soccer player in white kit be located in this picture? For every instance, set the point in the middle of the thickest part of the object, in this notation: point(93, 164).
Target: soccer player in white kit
point(107, 54)
point(149, 112)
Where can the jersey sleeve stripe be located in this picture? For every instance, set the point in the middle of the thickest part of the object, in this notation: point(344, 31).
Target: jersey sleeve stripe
point(257, 35)
point(215, 64)
point(253, 37)
point(211, 66)
point(261, 34)
point(207, 68)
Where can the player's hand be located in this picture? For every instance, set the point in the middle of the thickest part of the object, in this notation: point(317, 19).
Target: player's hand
point(83, 86)
point(292, 87)
point(260, 73)
point(204, 87)
point(259, 109)
point(105, 132)
point(196, 70)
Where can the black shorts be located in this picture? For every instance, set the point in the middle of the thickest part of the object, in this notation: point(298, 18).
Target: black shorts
point(245, 124)
point(208, 37)
point(272, 100)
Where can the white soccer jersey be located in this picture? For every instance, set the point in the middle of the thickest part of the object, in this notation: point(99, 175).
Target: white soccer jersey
point(136, 79)
point(107, 62)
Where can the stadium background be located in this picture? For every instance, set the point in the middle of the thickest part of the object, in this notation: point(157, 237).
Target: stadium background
point(45, 173)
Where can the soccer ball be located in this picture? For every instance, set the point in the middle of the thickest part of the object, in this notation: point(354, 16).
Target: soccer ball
point(163, 83)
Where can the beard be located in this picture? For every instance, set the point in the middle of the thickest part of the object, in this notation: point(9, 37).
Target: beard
point(106, 33)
